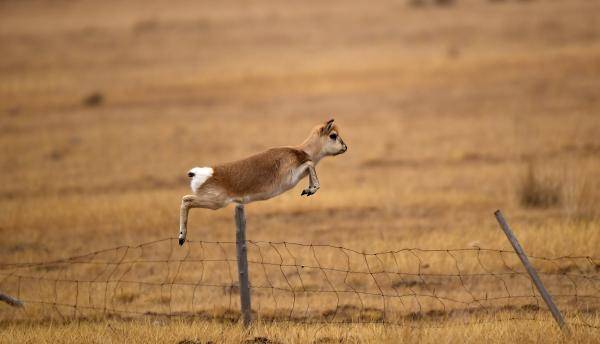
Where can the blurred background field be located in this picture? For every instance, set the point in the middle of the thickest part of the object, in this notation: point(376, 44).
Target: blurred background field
point(450, 109)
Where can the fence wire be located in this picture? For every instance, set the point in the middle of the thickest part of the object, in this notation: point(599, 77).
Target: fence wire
point(302, 283)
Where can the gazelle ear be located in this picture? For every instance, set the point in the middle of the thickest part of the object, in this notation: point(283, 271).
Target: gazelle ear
point(328, 126)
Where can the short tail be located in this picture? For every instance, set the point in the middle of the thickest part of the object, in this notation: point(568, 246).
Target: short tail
point(199, 175)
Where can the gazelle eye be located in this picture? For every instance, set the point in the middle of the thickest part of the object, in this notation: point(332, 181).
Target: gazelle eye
point(333, 136)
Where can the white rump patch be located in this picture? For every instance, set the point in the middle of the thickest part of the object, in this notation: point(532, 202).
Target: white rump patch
point(201, 174)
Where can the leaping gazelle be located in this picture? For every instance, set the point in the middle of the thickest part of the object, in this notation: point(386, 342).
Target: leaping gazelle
point(261, 176)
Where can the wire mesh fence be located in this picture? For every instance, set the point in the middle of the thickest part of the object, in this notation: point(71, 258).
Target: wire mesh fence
point(302, 283)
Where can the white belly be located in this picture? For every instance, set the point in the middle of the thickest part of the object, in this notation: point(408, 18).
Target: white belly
point(295, 176)
point(289, 182)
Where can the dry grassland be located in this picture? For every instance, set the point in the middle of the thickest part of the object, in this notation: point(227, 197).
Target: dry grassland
point(186, 332)
point(449, 112)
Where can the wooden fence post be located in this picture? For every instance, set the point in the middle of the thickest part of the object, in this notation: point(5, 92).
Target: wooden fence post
point(13, 301)
point(531, 271)
point(242, 259)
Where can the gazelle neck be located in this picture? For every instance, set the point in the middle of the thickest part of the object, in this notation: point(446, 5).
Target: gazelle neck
point(312, 147)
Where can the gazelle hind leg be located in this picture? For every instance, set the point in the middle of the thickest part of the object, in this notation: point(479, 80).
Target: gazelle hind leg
point(195, 201)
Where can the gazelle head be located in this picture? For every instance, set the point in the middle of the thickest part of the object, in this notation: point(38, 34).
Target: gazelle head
point(324, 140)
point(331, 141)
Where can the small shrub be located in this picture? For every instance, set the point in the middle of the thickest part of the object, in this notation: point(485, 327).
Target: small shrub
point(537, 192)
point(191, 341)
point(164, 300)
point(126, 297)
point(260, 340)
point(421, 3)
point(93, 99)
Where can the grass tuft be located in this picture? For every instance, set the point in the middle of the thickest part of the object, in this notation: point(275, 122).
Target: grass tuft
point(94, 99)
point(536, 191)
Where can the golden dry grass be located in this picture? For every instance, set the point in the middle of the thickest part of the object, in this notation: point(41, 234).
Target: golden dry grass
point(192, 332)
point(104, 107)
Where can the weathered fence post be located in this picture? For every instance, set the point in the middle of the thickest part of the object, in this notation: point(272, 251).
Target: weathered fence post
point(531, 271)
point(242, 259)
point(10, 300)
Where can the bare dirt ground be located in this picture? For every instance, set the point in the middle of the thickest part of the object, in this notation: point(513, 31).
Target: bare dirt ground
point(450, 112)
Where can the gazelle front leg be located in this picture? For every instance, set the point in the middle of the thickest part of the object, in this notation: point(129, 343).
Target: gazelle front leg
point(313, 185)
point(208, 201)
point(186, 203)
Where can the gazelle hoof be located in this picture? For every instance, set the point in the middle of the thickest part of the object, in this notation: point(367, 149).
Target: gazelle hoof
point(181, 241)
